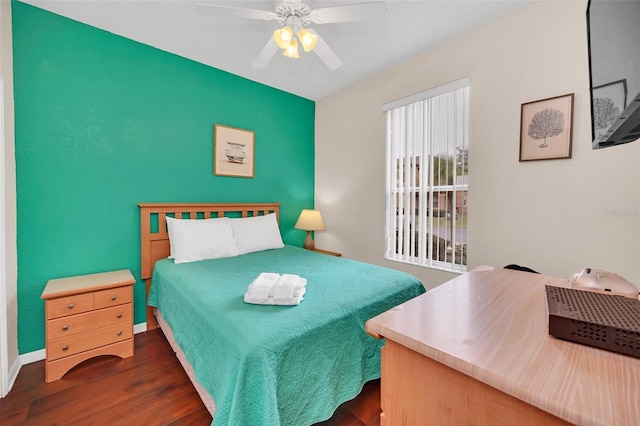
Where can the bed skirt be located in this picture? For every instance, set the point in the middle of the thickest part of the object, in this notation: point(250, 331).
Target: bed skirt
point(207, 400)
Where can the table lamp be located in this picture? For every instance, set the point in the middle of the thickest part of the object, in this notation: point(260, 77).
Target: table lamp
point(310, 220)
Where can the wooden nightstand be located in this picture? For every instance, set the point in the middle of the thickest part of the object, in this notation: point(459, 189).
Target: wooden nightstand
point(330, 253)
point(87, 316)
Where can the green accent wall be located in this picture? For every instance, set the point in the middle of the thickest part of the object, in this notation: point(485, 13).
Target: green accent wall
point(104, 123)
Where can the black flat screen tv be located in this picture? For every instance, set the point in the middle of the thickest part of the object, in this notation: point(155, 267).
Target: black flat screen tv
point(614, 68)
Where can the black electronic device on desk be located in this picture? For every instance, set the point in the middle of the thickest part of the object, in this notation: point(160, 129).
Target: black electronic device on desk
point(599, 311)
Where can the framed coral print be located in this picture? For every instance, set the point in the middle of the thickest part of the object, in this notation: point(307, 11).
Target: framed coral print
point(608, 102)
point(233, 151)
point(546, 128)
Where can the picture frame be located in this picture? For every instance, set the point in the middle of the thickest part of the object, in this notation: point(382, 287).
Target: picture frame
point(608, 102)
point(546, 128)
point(233, 151)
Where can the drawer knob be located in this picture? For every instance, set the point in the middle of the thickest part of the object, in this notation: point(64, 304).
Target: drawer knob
point(113, 298)
point(70, 306)
point(119, 333)
point(65, 327)
point(65, 348)
point(119, 315)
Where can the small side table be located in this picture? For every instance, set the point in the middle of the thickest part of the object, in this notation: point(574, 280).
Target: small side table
point(330, 253)
point(87, 316)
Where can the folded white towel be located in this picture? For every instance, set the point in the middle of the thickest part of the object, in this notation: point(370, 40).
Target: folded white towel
point(258, 292)
point(301, 284)
point(286, 284)
point(287, 301)
point(262, 286)
point(294, 300)
point(274, 289)
point(266, 278)
point(256, 301)
point(299, 292)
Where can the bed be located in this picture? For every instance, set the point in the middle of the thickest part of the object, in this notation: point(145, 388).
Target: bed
point(261, 364)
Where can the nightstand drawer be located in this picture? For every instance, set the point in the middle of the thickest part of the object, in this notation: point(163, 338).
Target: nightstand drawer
point(69, 305)
point(112, 297)
point(65, 346)
point(67, 326)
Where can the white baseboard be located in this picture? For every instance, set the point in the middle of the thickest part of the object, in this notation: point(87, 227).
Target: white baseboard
point(34, 356)
point(41, 354)
point(140, 328)
point(13, 375)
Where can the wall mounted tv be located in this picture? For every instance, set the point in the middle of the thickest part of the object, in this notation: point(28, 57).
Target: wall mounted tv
point(614, 63)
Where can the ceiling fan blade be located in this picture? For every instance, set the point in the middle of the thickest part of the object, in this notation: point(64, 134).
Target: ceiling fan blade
point(266, 54)
point(234, 12)
point(349, 13)
point(327, 55)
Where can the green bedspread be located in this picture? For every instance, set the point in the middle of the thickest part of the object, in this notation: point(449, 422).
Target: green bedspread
point(278, 365)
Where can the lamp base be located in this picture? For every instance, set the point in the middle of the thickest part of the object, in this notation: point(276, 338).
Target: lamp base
point(308, 242)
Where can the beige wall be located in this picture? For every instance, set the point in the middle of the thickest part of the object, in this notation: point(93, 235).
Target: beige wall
point(9, 202)
point(554, 216)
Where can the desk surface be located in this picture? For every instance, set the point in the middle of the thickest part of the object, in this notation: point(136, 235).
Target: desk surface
point(493, 326)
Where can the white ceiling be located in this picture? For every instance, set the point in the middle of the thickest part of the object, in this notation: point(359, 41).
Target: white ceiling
point(230, 44)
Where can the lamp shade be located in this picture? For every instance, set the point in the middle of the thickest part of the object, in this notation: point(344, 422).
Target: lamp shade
point(307, 39)
point(291, 51)
point(310, 220)
point(283, 37)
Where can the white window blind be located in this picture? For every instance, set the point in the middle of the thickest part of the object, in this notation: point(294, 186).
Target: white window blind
point(427, 177)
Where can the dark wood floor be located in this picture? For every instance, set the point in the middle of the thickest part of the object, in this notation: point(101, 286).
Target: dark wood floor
point(150, 388)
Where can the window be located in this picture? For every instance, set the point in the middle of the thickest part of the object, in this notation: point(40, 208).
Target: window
point(427, 177)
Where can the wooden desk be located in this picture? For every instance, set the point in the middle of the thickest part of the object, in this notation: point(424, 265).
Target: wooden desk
point(477, 350)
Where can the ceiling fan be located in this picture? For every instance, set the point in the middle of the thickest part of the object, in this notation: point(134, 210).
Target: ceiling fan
point(294, 16)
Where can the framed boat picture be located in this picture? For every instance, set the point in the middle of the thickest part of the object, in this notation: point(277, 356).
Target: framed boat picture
point(233, 151)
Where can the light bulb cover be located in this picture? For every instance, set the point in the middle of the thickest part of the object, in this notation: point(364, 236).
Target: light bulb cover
point(291, 51)
point(283, 37)
point(307, 39)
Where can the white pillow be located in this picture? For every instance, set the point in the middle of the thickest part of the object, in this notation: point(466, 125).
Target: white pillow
point(256, 233)
point(170, 233)
point(199, 239)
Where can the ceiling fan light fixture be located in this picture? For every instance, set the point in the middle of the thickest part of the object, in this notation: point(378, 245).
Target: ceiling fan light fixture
point(283, 37)
point(308, 39)
point(291, 51)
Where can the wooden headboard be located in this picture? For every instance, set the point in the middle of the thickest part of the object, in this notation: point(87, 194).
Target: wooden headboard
point(154, 239)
